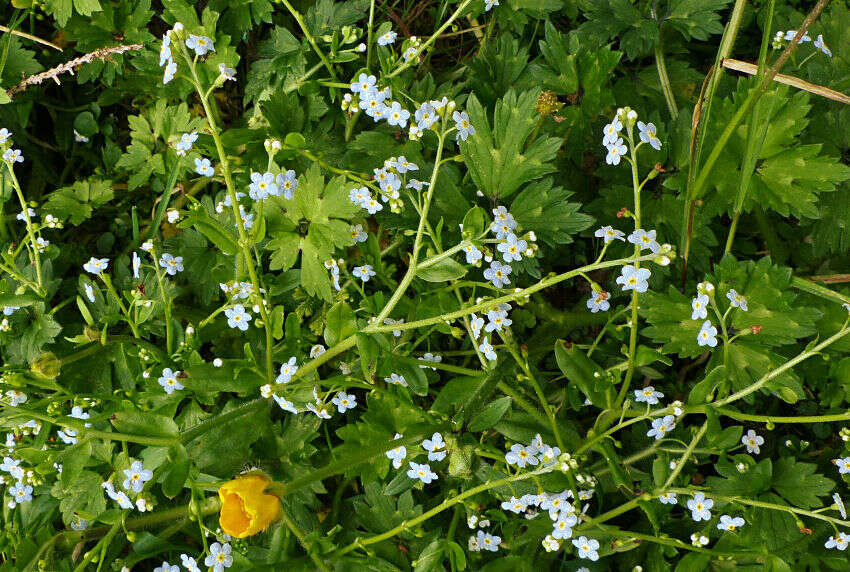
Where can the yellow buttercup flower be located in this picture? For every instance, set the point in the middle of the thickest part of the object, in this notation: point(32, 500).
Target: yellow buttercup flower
point(246, 508)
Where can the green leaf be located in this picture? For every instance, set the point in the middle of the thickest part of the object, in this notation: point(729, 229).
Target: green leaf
point(73, 460)
point(223, 450)
point(443, 271)
point(207, 378)
point(474, 223)
point(490, 415)
point(177, 471)
point(144, 423)
point(214, 231)
point(696, 19)
point(83, 495)
point(339, 324)
point(771, 301)
point(77, 202)
point(321, 214)
point(369, 351)
point(87, 7)
point(498, 159)
point(284, 247)
point(789, 176)
point(703, 391)
point(583, 372)
point(462, 397)
point(608, 19)
point(561, 76)
point(799, 484)
point(546, 210)
point(754, 480)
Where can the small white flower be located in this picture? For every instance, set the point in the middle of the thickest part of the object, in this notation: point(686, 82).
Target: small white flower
point(421, 472)
point(219, 557)
point(608, 233)
point(226, 72)
point(520, 455)
point(398, 454)
point(237, 317)
point(137, 476)
point(344, 401)
point(550, 544)
point(648, 134)
point(730, 524)
point(189, 563)
point(645, 240)
point(488, 541)
point(839, 504)
point(840, 541)
point(736, 300)
point(700, 507)
point(598, 301)
point(661, 427)
point(287, 370)
point(668, 498)
point(752, 441)
point(364, 272)
point(96, 265)
point(632, 278)
point(648, 395)
point(843, 465)
point(616, 150)
point(587, 548)
point(436, 447)
point(699, 305)
point(396, 379)
point(707, 335)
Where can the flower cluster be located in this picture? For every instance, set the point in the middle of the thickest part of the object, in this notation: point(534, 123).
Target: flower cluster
point(781, 37)
point(218, 559)
point(613, 141)
point(201, 45)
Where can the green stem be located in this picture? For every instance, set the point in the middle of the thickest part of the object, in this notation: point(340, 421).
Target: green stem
point(768, 505)
point(633, 332)
point(309, 36)
point(754, 96)
point(244, 239)
point(299, 534)
point(415, 58)
point(785, 367)
point(36, 258)
point(166, 305)
point(666, 87)
point(688, 452)
point(730, 33)
point(369, 37)
point(417, 242)
point(542, 285)
point(71, 537)
point(448, 503)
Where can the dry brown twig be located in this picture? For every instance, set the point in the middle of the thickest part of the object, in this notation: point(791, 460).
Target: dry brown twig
point(752, 69)
point(68, 67)
point(29, 37)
